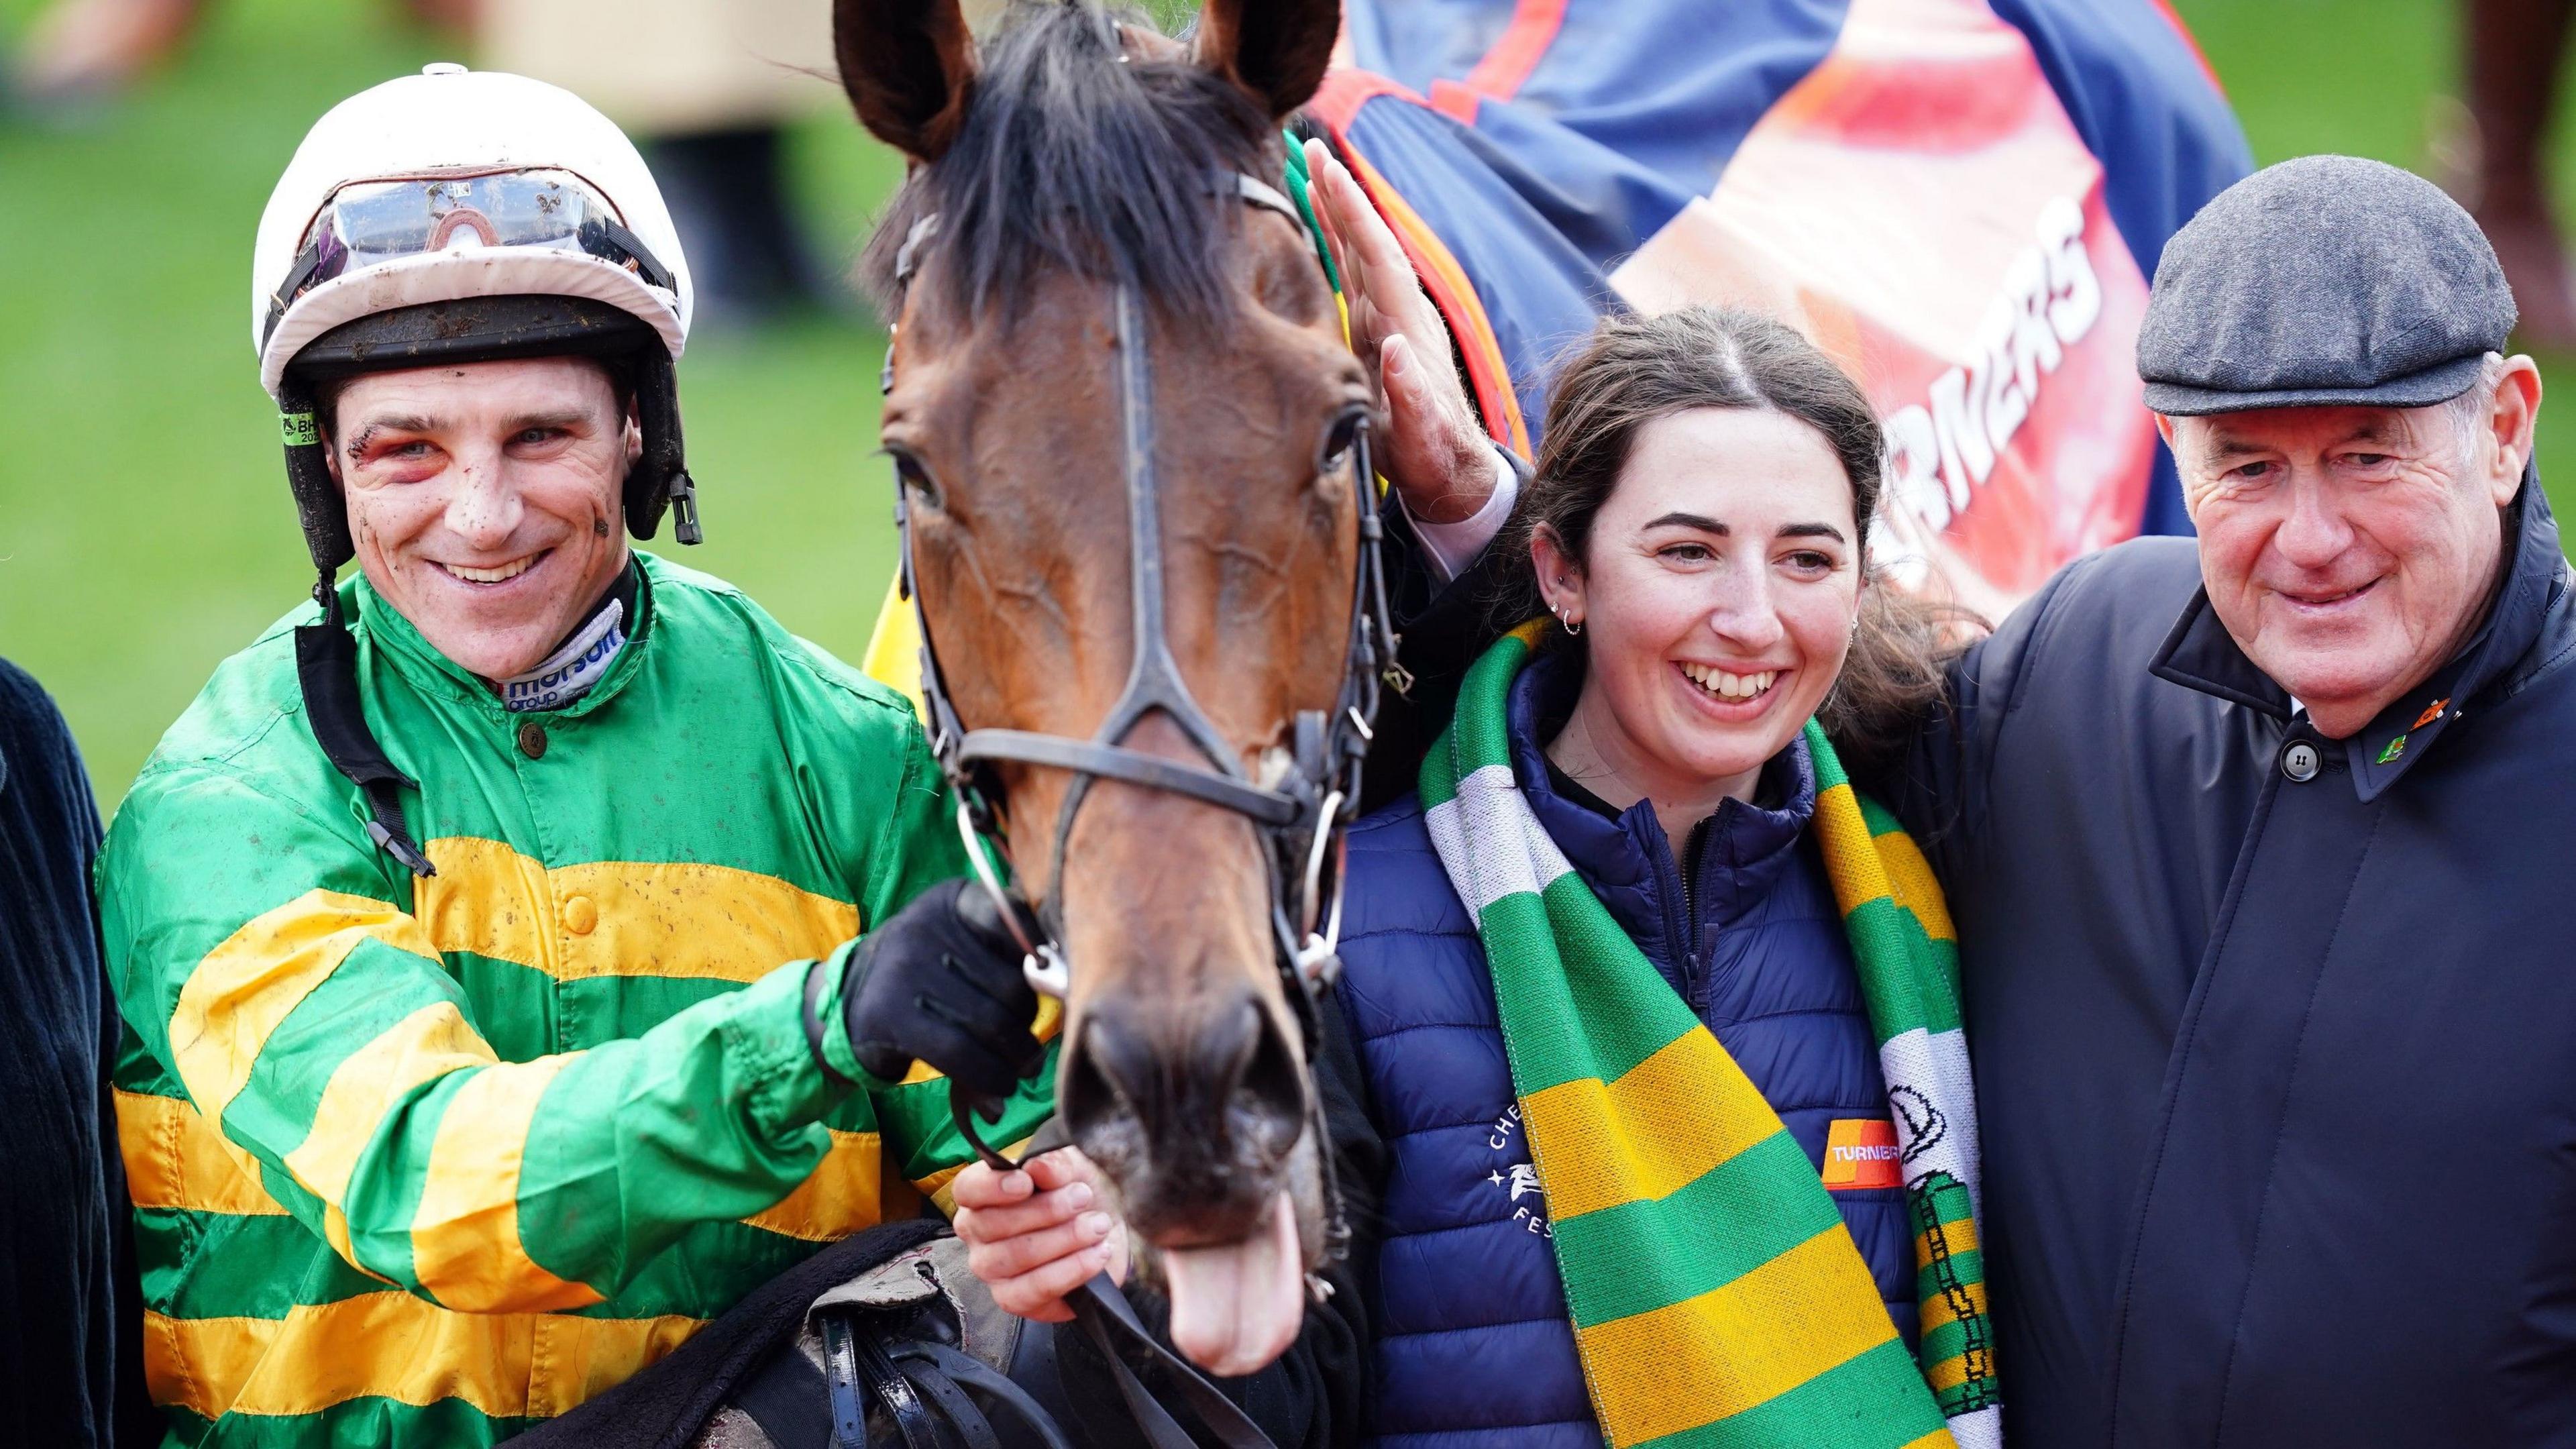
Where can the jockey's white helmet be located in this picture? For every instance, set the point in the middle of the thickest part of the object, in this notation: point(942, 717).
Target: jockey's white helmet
point(456, 184)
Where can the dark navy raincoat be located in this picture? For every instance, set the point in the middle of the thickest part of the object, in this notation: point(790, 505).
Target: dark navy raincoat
point(2275, 1036)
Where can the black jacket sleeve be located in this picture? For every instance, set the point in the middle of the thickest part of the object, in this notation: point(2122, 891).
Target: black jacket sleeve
point(1314, 1396)
point(1442, 626)
point(70, 1335)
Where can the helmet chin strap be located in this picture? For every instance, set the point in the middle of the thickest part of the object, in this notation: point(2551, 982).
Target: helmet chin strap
point(326, 668)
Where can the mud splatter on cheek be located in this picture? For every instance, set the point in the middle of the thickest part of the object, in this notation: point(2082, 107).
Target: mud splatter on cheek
point(599, 527)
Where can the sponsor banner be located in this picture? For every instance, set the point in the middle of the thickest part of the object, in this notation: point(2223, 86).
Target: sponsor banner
point(1922, 207)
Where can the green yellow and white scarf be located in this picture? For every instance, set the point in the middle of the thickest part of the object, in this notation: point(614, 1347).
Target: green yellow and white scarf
point(1717, 1297)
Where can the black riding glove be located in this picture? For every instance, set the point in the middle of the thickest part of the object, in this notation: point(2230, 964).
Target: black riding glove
point(940, 982)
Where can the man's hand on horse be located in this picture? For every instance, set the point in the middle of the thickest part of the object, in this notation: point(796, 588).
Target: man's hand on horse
point(1037, 1234)
point(939, 981)
point(1434, 452)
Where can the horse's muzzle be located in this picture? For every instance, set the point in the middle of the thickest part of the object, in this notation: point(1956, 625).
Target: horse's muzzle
point(1192, 1109)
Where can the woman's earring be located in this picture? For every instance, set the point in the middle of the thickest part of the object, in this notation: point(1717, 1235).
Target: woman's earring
point(1571, 626)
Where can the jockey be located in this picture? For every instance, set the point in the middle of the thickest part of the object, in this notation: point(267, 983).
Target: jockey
point(484, 932)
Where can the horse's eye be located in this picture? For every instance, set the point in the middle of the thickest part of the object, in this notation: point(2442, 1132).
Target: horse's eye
point(912, 477)
point(1338, 442)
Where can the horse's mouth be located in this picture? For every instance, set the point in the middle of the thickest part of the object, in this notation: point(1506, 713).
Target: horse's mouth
point(1237, 1306)
point(1238, 1298)
point(1233, 1216)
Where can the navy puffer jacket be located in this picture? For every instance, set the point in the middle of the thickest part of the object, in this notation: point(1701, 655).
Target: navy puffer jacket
point(1475, 1350)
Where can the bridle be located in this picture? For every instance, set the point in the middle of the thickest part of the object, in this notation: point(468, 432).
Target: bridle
point(1297, 812)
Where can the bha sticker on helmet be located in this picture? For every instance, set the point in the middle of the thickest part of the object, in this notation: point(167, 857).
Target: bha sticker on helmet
point(1921, 206)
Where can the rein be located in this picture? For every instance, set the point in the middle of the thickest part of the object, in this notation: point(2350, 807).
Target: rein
point(1298, 817)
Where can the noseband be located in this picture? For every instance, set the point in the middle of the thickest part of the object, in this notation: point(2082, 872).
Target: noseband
point(1297, 814)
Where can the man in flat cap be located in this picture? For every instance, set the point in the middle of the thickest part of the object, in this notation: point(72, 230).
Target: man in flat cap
point(2258, 848)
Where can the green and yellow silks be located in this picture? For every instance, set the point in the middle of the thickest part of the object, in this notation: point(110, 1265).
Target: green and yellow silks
point(419, 1162)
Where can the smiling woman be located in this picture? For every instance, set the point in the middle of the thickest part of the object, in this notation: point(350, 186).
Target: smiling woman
point(1744, 464)
point(1629, 979)
point(483, 499)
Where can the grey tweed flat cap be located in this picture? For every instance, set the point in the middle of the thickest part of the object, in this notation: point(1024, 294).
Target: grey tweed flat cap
point(2322, 281)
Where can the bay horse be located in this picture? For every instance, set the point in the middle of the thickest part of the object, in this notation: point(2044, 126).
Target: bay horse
point(1980, 276)
point(1138, 520)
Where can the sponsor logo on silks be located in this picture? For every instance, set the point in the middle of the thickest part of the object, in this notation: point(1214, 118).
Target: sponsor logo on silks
point(1518, 1179)
point(2395, 748)
point(569, 673)
point(1861, 1152)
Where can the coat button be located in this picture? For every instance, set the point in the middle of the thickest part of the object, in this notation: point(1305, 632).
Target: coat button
point(2300, 761)
point(580, 915)
point(532, 740)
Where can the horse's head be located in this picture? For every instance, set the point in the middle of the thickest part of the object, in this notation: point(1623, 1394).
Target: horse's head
point(1098, 297)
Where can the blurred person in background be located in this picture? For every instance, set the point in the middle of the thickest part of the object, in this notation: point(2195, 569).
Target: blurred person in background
point(707, 87)
point(484, 937)
point(2516, 50)
point(80, 51)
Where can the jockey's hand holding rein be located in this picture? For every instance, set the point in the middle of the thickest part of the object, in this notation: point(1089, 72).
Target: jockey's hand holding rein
point(942, 976)
point(1434, 452)
point(940, 982)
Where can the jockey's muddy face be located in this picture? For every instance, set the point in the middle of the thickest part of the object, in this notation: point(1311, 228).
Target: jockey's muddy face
point(484, 500)
point(1716, 606)
point(2351, 551)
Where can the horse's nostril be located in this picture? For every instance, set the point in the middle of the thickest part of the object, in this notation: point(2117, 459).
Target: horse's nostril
point(1191, 1109)
point(1204, 1075)
point(1272, 1087)
point(1110, 1068)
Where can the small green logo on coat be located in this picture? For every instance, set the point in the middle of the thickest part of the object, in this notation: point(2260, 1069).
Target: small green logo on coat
point(2395, 748)
point(299, 429)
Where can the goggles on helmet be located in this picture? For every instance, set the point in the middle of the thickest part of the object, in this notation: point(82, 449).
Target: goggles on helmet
point(369, 223)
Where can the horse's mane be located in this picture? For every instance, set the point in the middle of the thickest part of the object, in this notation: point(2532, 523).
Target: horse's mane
point(1071, 158)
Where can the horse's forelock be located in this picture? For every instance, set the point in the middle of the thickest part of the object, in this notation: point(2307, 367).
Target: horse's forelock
point(1071, 158)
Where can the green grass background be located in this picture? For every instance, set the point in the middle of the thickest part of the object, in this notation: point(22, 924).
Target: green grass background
point(145, 530)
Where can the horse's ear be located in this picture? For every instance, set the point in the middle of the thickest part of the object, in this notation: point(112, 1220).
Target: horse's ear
point(909, 66)
point(1276, 49)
